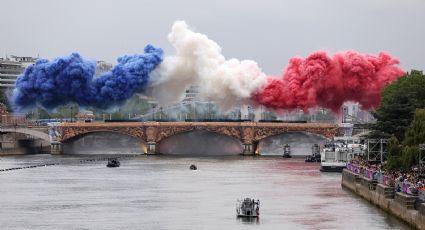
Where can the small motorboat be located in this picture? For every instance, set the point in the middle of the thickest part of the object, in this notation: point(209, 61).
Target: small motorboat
point(193, 167)
point(286, 151)
point(248, 208)
point(112, 163)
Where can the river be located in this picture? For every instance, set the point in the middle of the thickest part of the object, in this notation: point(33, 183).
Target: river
point(160, 192)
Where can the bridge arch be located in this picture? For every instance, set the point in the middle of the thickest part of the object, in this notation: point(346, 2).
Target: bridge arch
point(104, 142)
point(69, 135)
point(32, 132)
point(200, 142)
point(166, 132)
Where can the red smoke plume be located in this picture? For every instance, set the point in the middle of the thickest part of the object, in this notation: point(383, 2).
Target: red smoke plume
point(327, 82)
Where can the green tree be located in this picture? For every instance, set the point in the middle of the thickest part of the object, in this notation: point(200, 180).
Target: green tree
point(135, 105)
point(398, 104)
point(4, 94)
point(394, 160)
point(409, 156)
point(415, 135)
point(66, 111)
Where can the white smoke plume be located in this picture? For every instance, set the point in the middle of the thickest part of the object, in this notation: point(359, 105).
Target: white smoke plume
point(198, 61)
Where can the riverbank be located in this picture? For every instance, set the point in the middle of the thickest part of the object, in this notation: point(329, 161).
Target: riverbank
point(398, 204)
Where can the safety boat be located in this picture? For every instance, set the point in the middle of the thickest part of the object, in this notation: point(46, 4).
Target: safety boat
point(287, 151)
point(113, 163)
point(248, 208)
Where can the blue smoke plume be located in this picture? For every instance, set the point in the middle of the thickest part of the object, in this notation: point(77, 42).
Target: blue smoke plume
point(72, 79)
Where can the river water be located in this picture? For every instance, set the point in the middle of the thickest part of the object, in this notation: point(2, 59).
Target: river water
point(160, 192)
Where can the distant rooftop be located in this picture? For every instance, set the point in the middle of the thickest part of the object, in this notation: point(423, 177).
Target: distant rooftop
point(15, 58)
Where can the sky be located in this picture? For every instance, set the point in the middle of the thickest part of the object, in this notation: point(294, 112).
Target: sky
point(267, 31)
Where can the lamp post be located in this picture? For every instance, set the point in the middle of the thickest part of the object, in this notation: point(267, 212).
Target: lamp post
point(71, 112)
point(209, 110)
point(153, 112)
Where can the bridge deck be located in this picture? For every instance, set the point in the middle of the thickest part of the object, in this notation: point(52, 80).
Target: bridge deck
point(234, 124)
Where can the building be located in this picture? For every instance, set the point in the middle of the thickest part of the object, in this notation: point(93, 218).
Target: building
point(102, 67)
point(11, 67)
point(353, 114)
point(191, 94)
point(86, 116)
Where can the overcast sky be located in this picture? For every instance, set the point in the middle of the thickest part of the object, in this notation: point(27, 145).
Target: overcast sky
point(267, 31)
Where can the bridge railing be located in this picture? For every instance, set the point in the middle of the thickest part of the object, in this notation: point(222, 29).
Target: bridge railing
point(7, 119)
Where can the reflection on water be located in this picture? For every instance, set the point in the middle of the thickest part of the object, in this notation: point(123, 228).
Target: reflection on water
point(160, 192)
point(249, 220)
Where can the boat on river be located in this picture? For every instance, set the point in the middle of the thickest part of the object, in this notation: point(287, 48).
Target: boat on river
point(113, 163)
point(248, 208)
point(315, 154)
point(337, 153)
point(287, 151)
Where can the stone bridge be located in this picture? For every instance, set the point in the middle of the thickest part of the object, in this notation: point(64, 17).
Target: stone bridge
point(40, 132)
point(249, 133)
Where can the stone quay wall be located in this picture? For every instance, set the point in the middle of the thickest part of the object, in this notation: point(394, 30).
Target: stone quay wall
point(401, 205)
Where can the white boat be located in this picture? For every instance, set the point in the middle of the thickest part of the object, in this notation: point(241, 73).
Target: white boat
point(248, 208)
point(333, 157)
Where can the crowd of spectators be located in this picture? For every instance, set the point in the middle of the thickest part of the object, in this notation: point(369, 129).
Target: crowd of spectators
point(408, 181)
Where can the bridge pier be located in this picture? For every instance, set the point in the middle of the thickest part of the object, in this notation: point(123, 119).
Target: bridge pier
point(56, 148)
point(151, 146)
point(249, 149)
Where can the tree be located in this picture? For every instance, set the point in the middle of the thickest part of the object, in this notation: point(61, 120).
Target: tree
point(4, 97)
point(415, 134)
point(405, 156)
point(398, 104)
point(394, 157)
point(409, 156)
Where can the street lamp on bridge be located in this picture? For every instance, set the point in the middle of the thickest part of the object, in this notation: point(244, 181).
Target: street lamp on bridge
point(71, 113)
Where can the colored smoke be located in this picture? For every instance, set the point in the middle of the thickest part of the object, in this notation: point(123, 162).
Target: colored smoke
point(320, 80)
point(198, 61)
point(323, 81)
point(72, 79)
